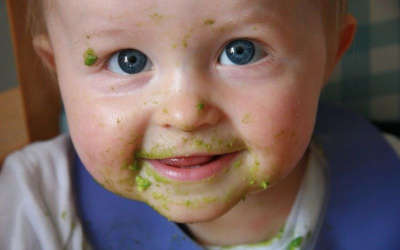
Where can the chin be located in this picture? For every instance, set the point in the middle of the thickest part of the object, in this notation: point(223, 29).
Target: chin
point(187, 215)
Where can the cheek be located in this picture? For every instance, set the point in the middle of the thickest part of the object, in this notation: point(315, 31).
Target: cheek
point(277, 131)
point(106, 131)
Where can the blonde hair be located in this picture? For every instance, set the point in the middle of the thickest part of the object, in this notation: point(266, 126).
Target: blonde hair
point(335, 10)
point(35, 17)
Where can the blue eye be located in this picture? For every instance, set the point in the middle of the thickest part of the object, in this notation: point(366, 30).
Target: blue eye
point(129, 61)
point(241, 52)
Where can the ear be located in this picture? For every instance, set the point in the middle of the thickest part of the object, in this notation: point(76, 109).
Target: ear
point(346, 36)
point(44, 49)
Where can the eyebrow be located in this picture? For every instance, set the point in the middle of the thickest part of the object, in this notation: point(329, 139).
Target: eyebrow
point(249, 16)
point(101, 33)
point(107, 32)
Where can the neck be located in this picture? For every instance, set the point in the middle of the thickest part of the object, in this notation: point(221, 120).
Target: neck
point(259, 218)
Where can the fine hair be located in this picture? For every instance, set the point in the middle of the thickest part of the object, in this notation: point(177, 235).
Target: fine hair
point(334, 12)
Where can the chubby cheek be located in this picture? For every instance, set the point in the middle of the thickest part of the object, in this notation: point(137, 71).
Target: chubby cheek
point(276, 132)
point(106, 137)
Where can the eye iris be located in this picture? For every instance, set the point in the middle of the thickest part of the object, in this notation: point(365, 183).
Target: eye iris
point(132, 61)
point(240, 51)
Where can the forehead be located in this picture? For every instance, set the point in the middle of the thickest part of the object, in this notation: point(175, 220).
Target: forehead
point(100, 13)
point(189, 7)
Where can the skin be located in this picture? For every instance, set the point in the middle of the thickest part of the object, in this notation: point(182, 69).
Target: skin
point(114, 117)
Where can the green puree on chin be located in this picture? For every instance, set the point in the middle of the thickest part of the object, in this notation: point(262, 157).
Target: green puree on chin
point(90, 57)
point(142, 183)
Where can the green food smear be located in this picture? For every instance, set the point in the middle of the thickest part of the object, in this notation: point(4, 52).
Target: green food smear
point(156, 16)
point(237, 164)
point(134, 167)
point(64, 215)
point(246, 119)
point(252, 181)
point(209, 22)
point(208, 200)
point(158, 196)
point(157, 177)
point(185, 38)
point(264, 185)
point(295, 243)
point(90, 57)
point(157, 152)
point(200, 106)
point(142, 183)
point(280, 134)
point(201, 144)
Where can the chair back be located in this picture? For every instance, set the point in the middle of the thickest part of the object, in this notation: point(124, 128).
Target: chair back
point(40, 94)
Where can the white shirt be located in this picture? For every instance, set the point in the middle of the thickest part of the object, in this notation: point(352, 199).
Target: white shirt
point(37, 208)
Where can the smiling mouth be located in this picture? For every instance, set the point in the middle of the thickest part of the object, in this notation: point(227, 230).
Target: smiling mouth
point(193, 168)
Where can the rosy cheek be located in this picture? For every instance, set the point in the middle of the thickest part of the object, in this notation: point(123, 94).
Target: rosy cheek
point(108, 154)
point(277, 137)
point(105, 139)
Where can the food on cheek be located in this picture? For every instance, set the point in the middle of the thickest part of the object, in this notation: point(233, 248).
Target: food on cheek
point(246, 118)
point(134, 167)
point(156, 16)
point(186, 38)
point(90, 57)
point(264, 185)
point(209, 22)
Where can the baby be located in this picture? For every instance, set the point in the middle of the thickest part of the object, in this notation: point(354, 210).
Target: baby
point(204, 110)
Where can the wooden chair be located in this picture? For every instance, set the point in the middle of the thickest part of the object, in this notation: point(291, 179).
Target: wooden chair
point(30, 112)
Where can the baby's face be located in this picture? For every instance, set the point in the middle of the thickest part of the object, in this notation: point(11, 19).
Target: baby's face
point(189, 105)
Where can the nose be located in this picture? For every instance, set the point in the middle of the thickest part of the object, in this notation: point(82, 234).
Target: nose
point(186, 112)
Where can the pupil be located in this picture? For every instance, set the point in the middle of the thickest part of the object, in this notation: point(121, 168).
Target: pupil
point(240, 50)
point(132, 59)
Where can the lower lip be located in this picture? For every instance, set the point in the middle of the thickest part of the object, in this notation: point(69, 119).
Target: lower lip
point(195, 173)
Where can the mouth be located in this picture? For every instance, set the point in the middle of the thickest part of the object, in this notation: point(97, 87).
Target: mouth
point(192, 168)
